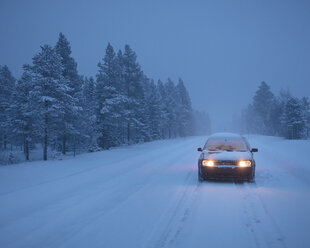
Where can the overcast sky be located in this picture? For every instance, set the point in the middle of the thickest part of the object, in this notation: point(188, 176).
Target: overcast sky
point(221, 49)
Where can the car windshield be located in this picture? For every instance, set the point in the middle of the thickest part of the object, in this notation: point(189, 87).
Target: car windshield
point(226, 144)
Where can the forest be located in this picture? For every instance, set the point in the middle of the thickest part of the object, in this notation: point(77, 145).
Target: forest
point(284, 115)
point(54, 107)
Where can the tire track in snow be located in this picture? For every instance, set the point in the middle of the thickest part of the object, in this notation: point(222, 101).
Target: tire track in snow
point(146, 185)
point(259, 221)
point(175, 217)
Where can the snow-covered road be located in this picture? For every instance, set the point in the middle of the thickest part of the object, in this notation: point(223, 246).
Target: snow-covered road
point(148, 196)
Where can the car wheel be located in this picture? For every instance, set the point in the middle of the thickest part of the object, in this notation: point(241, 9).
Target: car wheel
point(252, 178)
point(200, 177)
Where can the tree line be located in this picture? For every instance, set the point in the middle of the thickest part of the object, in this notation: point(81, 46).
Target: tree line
point(283, 115)
point(54, 105)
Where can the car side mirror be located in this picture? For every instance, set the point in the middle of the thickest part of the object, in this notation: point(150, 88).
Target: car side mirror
point(254, 150)
point(199, 149)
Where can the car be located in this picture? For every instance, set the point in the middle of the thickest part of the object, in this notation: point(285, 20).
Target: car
point(226, 155)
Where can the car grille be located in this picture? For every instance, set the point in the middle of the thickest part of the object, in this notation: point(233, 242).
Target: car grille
point(226, 162)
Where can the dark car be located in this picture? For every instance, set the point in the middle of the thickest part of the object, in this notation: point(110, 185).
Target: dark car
point(226, 155)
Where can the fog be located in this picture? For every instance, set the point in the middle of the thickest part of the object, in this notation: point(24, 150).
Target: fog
point(221, 49)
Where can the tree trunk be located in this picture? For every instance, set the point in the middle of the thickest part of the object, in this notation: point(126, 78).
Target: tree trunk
point(128, 108)
point(64, 139)
point(45, 135)
point(128, 132)
point(74, 146)
point(45, 144)
point(26, 149)
point(4, 142)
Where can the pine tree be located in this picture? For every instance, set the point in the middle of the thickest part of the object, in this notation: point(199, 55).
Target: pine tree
point(132, 76)
point(69, 72)
point(89, 113)
point(153, 111)
point(143, 128)
point(184, 110)
point(50, 93)
point(109, 100)
point(293, 119)
point(305, 105)
point(72, 119)
point(164, 126)
point(282, 100)
point(122, 90)
point(22, 111)
point(7, 84)
point(262, 105)
point(171, 105)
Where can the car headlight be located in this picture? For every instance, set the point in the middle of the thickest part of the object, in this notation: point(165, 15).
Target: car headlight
point(245, 163)
point(209, 163)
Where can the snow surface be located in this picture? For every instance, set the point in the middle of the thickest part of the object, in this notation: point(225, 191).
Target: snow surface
point(148, 196)
point(227, 155)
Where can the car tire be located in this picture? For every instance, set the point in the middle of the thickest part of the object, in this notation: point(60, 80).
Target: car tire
point(200, 177)
point(252, 178)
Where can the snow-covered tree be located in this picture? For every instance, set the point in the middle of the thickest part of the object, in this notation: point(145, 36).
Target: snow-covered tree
point(263, 102)
point(7, 84)
point(305, 105)
point(22, 112)
point(88, 115)
point(163, 110)
point(184, 110)
point(171, 105)
point(109, 100)
point(53, 104)
point(293, 119)
point(51, 94)
point(132, 76)
point(153, 113)
point(72, 119)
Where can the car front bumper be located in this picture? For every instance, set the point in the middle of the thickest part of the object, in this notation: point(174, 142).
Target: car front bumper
point(227, 172)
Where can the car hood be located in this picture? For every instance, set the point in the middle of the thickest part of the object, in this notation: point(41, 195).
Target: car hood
point(225, 155)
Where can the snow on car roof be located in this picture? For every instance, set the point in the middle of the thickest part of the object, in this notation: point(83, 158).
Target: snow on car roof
point(225, 135)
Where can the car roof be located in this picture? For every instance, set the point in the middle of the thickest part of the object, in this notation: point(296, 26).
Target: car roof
point(225, 135)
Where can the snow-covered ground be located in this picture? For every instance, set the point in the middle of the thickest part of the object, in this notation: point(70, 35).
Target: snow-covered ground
point(148, 196)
